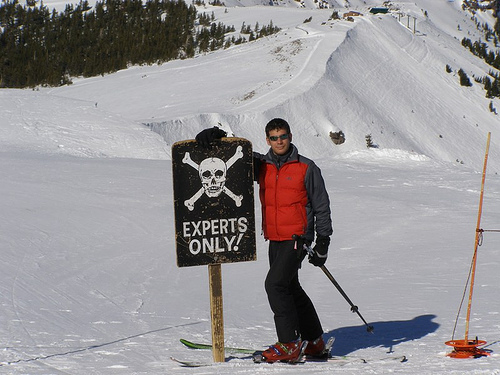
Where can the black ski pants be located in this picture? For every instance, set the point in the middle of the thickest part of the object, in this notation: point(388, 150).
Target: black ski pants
point(294, 312)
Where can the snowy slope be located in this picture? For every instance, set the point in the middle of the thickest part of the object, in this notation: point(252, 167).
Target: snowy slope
point(327, 75)
point(89, 282)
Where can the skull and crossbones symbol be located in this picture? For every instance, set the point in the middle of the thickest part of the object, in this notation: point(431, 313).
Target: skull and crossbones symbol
point(212, 172)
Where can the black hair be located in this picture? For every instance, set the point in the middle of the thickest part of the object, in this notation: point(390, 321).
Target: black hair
point(277, 124)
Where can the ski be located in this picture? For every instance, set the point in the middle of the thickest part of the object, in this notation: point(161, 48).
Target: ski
point(186, 363)
point(194, 345)
point(350, 359)
point(256, 355)
point(341, 360)
point(233, 350)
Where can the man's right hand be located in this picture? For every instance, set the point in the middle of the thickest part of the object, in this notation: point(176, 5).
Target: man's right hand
point(207, 136)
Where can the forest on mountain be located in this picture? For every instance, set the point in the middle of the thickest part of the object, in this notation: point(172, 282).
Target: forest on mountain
point(43, 47)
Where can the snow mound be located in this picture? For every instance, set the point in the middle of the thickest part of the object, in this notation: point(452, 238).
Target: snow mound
point(50, 124)
point(376, 154)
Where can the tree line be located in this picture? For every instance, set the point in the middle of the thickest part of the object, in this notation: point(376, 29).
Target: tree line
point(42, 47)
point(491, 82)
point(480, 49)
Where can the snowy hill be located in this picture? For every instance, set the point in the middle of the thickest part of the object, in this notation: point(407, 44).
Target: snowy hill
point(89, 282)
point(372, 76)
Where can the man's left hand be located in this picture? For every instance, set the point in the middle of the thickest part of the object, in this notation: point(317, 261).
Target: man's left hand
point(320, 251)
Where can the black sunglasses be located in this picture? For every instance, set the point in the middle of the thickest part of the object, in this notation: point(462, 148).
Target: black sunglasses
point(274, 138)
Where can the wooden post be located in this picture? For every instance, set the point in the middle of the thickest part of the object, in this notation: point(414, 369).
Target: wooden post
point(216, 311)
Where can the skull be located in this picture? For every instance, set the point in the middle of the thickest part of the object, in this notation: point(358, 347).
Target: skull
point(212, 173)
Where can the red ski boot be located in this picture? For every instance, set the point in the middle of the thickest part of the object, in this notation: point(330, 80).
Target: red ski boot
point(286, 352)
point(316, 348)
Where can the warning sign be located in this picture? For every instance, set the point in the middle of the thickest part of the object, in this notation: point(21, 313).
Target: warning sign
point(213, 202)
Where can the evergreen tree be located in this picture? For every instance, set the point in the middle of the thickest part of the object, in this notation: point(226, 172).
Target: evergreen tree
point(39, 47)
point(464, 79)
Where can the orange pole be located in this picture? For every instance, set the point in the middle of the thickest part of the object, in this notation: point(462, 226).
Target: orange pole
point(476, 244)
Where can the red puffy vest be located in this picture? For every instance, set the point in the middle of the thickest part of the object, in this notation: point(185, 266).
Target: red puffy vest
point(283, 197)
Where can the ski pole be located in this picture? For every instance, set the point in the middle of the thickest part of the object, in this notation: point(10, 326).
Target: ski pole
point(354, 308)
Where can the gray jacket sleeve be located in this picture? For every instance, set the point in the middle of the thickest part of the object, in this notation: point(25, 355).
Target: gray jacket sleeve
point(319, 214)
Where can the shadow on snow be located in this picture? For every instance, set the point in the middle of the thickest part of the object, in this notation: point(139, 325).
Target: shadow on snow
point(385, 334)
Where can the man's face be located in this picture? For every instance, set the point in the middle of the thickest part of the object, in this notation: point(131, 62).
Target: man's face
point(279, 140)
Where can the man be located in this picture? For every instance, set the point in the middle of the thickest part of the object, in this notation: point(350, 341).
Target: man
point(295, 205)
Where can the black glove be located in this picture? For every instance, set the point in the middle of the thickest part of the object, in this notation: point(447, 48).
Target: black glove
point(320, 251)
point(207, 136)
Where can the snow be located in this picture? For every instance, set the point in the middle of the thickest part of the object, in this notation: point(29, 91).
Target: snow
point(89, 282)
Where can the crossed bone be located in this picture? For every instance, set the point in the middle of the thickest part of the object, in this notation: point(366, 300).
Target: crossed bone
point(236, 198)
